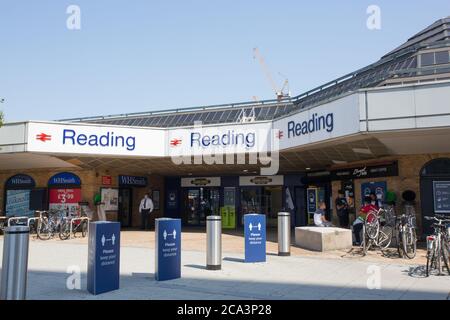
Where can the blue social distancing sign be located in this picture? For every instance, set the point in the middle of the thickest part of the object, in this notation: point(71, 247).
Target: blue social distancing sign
point(104, 257)
point(168, 249)
point(255, 237)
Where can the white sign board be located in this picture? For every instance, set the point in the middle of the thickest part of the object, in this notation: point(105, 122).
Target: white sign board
point(95, 139)
point(261, 181)
point(220, 139)
point(200, 182)
point(332, 120)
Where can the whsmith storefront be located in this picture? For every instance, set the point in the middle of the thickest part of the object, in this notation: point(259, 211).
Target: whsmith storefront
point(381, 129)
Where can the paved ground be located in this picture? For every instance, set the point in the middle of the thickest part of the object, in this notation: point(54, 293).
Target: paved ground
point(301, 276)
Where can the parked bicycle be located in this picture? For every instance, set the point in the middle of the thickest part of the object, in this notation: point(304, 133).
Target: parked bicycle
point(73, 224)
point(377, 230)
point(438, 245)
point(50, 223)
point(406, 235)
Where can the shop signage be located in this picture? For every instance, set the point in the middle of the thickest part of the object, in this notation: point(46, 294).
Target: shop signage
point(64, 199)
point(106, 180)
point(64, 179)
point(255, 238)
point(20, 181)
point(441, 192)
point(261, 181)
point(201, 182)
point(133, 181)
point(168, 249)
point(364, 172)
point(103, 272)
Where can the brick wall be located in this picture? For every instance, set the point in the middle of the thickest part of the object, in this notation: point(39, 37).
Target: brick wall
point(408, 179)
point(91, 184)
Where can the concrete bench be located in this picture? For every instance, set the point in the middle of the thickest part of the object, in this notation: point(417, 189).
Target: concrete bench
point(323, 239)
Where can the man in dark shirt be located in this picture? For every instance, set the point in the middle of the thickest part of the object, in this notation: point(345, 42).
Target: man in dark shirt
point(342, 210)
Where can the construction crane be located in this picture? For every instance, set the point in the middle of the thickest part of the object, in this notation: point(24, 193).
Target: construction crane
point(279, 93)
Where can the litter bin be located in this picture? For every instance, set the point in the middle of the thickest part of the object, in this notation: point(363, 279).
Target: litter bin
point(213, 242)
point(284, 234)
point(15, 263)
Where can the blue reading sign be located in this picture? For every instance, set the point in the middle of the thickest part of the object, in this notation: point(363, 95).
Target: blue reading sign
point(168, 249)
point(104, 257)
point(255, 238)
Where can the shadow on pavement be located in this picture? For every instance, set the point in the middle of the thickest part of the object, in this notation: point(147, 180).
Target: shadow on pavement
point(231, 259)
point(195, 266)
point(52, 286)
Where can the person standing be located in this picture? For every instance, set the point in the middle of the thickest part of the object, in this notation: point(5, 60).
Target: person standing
point(145, 208)
point(342, 210)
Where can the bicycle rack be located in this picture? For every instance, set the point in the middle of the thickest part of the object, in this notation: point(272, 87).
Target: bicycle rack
point(76, 219)
point(17, 219)
point(33, 219)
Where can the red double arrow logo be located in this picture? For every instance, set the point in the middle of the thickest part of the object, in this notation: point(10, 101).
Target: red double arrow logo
point(43, 137)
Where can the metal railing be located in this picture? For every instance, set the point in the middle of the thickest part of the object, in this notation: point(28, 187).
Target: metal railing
point(11, 219)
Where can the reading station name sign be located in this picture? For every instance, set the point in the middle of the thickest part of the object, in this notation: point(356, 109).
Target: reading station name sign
point(336, 119)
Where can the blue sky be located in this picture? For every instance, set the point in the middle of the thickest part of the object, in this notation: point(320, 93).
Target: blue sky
point(132, 56)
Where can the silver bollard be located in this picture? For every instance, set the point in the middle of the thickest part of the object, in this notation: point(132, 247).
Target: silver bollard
point(15, 263)
point(284, 234)
point(213, 242)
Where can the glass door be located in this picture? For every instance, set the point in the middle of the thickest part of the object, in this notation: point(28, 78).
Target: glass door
point(200, 203)
point(125, 207)
point(272, 204)
point(250, 201)
point(192, 206)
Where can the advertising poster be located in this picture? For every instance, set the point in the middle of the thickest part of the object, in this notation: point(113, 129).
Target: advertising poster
point(110, 197)
point(379, 188)
point(18, 203)
point(312, 200)
point(66, 200)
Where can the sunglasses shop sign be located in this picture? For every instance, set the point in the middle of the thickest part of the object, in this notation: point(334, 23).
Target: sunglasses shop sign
point(87, 139)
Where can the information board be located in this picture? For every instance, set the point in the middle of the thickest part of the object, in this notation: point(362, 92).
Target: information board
point(441, 195)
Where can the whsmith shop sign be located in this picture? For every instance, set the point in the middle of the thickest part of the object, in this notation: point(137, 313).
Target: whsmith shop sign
point(364, 172)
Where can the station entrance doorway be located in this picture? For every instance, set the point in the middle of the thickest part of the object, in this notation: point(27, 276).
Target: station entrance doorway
point(200, 203)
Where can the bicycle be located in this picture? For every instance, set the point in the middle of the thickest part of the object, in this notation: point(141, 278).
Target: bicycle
point(438, 245)
point(406, 236)
point(73, 225)
point(49, 223)
point(376, 231)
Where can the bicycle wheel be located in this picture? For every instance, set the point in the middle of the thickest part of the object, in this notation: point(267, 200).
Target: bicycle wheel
point(400, 244)
point(372, 225)
point(83, 229)
point(64, 230)
point(409, 241)
point(44, 229)
point(438, 259)
point(445, 254)
point(385, 237)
